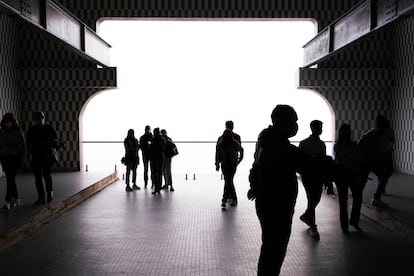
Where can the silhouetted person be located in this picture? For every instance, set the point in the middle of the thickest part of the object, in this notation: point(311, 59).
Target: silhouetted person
point(373, 159)
point(387, 141)
point(170, 152)
point(315, 148)
point(157, 157)
point(41, 138)
point(12, 156)
point(348, 159)
point(273, 183)
point(230, 125)
point(145, 142)
point(228, 155)
point(131, 145)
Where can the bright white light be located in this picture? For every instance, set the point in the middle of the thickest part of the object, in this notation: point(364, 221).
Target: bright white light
point(189, 77)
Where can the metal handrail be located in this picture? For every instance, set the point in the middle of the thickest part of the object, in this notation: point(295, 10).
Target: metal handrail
point(187, 142)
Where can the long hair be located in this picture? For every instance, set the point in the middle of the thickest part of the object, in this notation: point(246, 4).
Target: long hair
point(131, 134)
point(9, 117)
point(344, 133)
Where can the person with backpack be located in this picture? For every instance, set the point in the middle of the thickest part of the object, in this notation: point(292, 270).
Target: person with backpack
point(170, 152)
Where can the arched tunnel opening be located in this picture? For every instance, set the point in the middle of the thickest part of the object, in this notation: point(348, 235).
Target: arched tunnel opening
point(189, 77)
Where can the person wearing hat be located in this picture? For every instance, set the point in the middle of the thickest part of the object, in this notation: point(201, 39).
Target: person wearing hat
point(41, 138)
point(12, 156)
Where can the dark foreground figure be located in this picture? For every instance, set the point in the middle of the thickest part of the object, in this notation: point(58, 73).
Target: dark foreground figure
point(274, 185)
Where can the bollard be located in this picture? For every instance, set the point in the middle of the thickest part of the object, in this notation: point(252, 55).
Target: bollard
point(194, 177)
point(186, 177)
point(123, 176)
point(86, 168)
point(115, 169)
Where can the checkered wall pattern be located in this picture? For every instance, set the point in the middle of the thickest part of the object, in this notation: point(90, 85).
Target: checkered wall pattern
point(59, 78)
point(322, 10)
point(402, 104)
point(357, 95)
point(62, 109)
point(343, 77)
point(9, 92)
point(40, 49)
point(371, 52)
point(61, 94)
point(373, 76)
point(357, 106)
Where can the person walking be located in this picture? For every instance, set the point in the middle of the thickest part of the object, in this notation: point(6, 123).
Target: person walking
point(274, 186)
point(170, 152)
point(229, 154)
point(41, 139)
point(230, 126)
point(145, 143)
point(131, 145)
point(348, 159)
point(157, 157)
point(372, 145)
point(315, 148)
point(12, 156)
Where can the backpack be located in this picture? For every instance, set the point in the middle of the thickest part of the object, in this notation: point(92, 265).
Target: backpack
point(171, 149)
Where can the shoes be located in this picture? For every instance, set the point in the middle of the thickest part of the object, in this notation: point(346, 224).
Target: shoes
point(15, 203)
point(345, 230)
point(172, 189)
point(313, 232)
point(306, 220)
point(379, 203)
point(164, 187)
point(357, 227)
point(223, 205)
point(233, 202)
point(128, 188)
point(39, 201)
point(135, 187)
point(6, 205)
point(49, 197)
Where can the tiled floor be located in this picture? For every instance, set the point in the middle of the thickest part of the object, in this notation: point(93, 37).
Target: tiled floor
point(186, 233)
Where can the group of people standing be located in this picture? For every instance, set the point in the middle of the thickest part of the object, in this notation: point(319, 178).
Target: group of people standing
point(39, 145)
point(157, 150)
point(274, 184)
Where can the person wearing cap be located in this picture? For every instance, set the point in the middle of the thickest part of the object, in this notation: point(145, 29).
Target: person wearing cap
point(40, 139)
point(315, 148)
point(12, 156)
point(274, 185)
point(145, 142)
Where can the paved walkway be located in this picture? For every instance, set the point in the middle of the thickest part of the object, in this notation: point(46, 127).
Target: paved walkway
point(186, 233)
